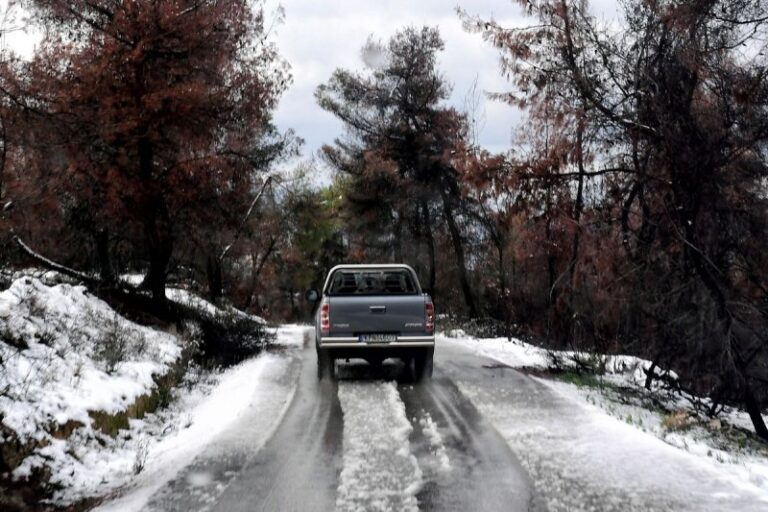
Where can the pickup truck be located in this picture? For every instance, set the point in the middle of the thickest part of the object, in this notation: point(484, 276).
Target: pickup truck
point(373, 312)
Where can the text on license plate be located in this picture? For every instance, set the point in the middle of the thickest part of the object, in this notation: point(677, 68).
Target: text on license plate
point(377, 338)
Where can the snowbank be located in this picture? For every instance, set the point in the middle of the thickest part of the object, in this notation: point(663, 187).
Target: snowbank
point(518, 354)
point(65, 354)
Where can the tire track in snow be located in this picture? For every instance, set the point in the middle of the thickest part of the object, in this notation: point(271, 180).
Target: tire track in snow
point(466, 463)
point(379, 471)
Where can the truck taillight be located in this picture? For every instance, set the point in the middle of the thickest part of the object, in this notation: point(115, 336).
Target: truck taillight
point(325, 318)
point(429, 314)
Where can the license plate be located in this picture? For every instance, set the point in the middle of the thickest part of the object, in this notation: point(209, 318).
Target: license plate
point(377, 338)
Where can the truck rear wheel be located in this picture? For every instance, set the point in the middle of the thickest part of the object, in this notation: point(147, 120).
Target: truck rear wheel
point(325, 364)
point(422, 363)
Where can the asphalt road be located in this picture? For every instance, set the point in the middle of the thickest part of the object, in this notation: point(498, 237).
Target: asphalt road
point(445, 451)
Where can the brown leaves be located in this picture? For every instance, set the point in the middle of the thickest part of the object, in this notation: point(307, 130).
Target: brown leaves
point(193, 82)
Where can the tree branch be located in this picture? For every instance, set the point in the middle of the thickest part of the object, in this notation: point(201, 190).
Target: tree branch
point(245, 218)
point(52, 265)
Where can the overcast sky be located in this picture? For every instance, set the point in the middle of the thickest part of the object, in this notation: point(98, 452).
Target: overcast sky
point(318, 36)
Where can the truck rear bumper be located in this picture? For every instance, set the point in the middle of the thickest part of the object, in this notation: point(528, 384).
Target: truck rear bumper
point(352, 342)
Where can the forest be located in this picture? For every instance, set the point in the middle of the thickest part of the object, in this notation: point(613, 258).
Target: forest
point(628, 214)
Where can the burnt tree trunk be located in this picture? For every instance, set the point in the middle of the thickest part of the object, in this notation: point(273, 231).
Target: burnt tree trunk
point(752, 405)
point(106, 271)
point(578, 206)
point(504, 299)
point(3, 159)
point(430, 245)
point(751, 402)
point(157, 228)
point(458, 248)
point(397, 245)
point(255, 272)
point(551, 270)
point(650, 375)
point(215, 279)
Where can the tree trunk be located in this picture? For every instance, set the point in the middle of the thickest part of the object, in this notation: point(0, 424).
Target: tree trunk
point(578, 205)
point(3, 159)
point(751, 402)
point(102, 255)
point(650, 375)
point(550, 262)
point(752, 406)
point(504, 296)
point(397, 246)
point(214, 275)
point(157, 229)
point(160, 249)
point(255, 272)
point(430, 245)
point(460, 260)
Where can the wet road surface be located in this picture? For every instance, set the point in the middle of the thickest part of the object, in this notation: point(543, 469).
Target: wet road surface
point(372, 440)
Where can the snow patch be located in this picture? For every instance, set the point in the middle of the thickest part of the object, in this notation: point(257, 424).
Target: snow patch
point(514, 353)
point(429, 428)
point(621, 370)
point(291, 335)
point(379, 471)
point(192, 300)
point(743, 470)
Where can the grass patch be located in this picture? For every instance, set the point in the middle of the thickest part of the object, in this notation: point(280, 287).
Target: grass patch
point(579, 379)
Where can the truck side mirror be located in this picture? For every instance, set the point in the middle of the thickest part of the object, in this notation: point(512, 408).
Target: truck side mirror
point(312, 295)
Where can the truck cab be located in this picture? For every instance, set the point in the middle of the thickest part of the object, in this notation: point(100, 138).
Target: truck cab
point(374, 312)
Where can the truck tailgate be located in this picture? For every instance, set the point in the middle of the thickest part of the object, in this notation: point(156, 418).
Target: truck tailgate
point(402, 315)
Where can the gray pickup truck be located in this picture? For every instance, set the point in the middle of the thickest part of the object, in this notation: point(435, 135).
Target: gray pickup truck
point(374, 312)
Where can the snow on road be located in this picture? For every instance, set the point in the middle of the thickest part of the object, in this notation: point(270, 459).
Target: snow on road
point(429, 428)
point(579, 457)
point(379, 472)
point(249, 389)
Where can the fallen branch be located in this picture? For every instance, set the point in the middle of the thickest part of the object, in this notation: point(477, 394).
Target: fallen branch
point(52, 265)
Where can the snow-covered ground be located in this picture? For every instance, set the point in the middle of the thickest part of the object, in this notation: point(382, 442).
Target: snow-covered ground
point(584, 447)
point(600, 416)
point(191, 299)
point(65, 354)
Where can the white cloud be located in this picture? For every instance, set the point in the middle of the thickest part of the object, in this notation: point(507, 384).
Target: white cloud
point(318, 37)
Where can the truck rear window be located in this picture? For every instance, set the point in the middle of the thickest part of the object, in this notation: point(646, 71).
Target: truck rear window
point(372, 282)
